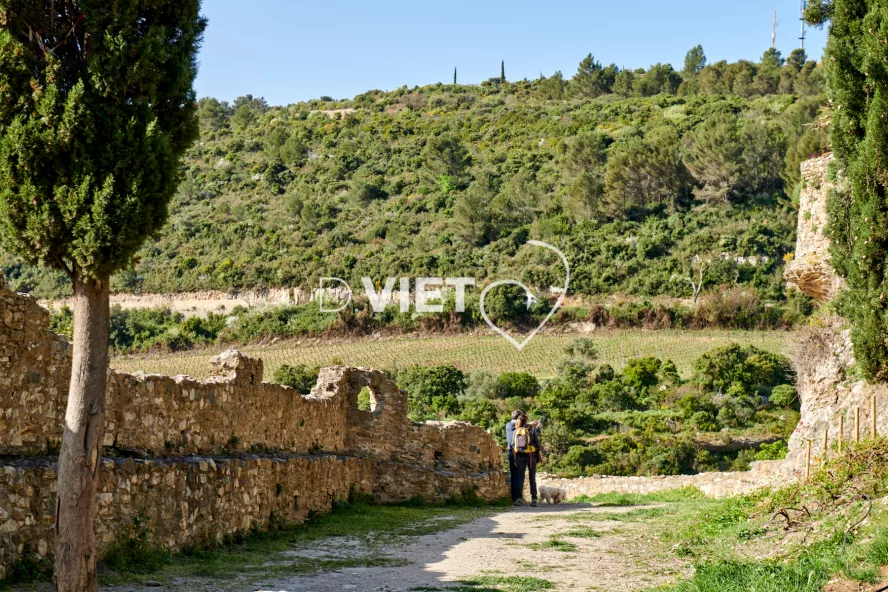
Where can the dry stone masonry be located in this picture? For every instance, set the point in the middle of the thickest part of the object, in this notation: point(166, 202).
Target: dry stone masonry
point(811, 268)
point(207, 459)
point(829, 393)
point(717, 485)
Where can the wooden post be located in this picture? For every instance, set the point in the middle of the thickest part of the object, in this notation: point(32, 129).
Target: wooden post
point(808, 462)
point(841, 430)
point(873, 417)
point(857, 425)
point(825, 442)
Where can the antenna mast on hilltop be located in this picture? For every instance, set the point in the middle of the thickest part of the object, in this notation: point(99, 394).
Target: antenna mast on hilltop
point(774, 32)
point(802, 19)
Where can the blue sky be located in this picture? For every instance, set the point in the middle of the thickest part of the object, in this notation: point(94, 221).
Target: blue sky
point(290, 50)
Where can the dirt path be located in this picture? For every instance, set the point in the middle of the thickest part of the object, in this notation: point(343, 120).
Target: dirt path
point(572, 547)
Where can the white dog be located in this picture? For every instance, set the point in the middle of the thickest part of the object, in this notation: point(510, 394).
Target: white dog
point(553, 495)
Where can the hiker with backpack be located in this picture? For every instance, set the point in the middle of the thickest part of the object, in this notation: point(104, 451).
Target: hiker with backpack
point(527, 450)
point(513, 470)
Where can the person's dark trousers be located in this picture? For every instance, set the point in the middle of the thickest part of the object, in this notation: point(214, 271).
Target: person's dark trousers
point(525, 462)
point(513, 476)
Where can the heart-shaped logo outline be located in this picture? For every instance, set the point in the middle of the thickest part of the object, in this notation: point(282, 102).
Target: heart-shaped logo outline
point(509, 338)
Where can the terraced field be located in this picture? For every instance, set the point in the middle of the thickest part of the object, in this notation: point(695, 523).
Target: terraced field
point(469, 352)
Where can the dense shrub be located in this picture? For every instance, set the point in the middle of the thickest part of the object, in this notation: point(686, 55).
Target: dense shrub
point(300, 377)
point(748, 368)
point(517, 384)
point(434, 390)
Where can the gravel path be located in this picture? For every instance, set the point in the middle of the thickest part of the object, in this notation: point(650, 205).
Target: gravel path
point(625, 556)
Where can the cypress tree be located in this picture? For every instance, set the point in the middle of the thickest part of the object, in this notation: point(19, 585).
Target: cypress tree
point(96, 111)
point(856, 62)
point(454, 76)
point(503, 71)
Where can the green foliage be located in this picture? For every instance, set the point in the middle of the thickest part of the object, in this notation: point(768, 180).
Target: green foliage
point(86, 176)
point(785, 396)
point(694, 62)
point(582, 347)
point(451, 181)
point(745, 369)
point(434, 390)
point(775, 451)
point(643, 421)
point(300, 377)
point(135, 549)
point(29, 568)
point(856, 62)
point(517, 384)
point(482, 384)
point(647, 174)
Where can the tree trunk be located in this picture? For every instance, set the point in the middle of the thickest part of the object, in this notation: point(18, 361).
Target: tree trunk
point(81, 453)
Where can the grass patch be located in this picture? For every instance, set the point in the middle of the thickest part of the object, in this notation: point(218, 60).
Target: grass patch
point(636, 515)
point(829, 509)
point(582, 532)
point(808, 572)
point(554, 543)
point(505, 584)
point(683, 494)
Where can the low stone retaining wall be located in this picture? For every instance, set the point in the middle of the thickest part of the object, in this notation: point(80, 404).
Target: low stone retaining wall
point(194, 500)
point(716, 485)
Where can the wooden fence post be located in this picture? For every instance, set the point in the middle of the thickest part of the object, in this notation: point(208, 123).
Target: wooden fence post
point(873, 430)
point(825, 442)
point(841, 430)
point(857, 425)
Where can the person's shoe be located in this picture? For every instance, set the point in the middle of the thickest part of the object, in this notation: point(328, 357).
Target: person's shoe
point(533, 504)
point(518, 502)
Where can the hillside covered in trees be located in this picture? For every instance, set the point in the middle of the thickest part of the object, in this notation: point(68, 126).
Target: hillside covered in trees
point(635, 175)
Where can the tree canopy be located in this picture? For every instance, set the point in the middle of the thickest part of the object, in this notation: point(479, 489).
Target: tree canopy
point(85, 177)
point(856, 62)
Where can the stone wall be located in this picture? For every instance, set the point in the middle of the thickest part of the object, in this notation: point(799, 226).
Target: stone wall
point(35, 366)
point(711, 484)
point(828, 392)
point(811, 268)
point(260, 451)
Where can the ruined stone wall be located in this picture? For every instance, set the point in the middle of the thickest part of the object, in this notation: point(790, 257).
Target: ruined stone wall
point(261, 452)
point(829, 393)
point(811, 268)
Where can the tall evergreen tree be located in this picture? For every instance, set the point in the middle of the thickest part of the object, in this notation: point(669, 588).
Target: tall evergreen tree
point(592, 79)
point(856, 61)
point(454, 76)
point(695, 61)
point(96, 111)
point(503, 71)
point(714, 155)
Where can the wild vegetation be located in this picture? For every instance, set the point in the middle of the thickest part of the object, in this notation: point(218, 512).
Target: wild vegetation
point(792, 538)
point(648, 180)
point(644, 420)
